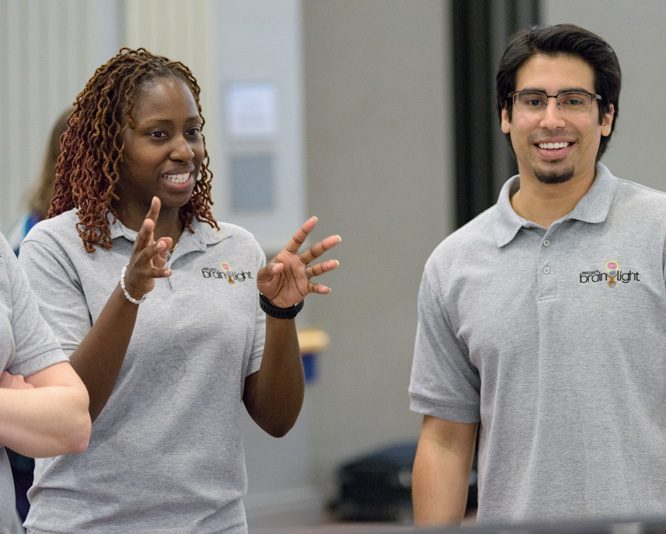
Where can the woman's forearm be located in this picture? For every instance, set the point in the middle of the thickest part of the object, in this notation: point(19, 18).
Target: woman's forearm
point(274, 395)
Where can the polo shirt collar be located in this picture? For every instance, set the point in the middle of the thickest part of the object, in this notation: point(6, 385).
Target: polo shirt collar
point(592, 208)
point(202, 237)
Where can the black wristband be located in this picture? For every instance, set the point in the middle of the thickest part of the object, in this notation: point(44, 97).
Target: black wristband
point(277, 312)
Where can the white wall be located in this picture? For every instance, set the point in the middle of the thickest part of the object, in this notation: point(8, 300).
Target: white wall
point(49, 50)
point(635, 30)
point(379, 172)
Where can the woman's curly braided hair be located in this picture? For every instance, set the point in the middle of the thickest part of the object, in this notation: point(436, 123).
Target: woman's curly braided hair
point(88, 168)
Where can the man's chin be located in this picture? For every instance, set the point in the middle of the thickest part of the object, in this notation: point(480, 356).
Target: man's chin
point(554, 177)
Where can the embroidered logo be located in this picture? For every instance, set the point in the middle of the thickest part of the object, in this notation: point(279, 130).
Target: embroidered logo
point(226, 272)
point(612, 267)
point(612, 275)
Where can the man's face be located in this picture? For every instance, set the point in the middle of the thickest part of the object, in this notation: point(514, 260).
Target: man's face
point(554, 146)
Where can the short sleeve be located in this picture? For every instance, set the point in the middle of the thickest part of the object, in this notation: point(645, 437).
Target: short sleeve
point(35, 346)
point(257, 350)
point(444, 383)
point(58, 289)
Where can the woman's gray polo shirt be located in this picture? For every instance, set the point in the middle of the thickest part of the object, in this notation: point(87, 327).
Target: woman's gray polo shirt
point(555, 341)
point(166, 452)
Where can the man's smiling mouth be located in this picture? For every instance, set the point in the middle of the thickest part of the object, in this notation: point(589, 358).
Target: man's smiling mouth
point(553, 146)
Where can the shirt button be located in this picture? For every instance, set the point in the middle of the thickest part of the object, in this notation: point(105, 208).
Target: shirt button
point(546, 269)
point(546, 242)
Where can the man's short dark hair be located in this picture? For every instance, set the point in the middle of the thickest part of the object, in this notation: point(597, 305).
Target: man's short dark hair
point(566, 39)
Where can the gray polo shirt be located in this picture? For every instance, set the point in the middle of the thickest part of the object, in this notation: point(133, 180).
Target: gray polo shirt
point(166, 452)
point(27, 346)
point(555, 341)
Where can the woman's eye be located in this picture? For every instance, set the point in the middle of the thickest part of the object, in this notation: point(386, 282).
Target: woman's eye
point(194, 132)
point(158, 134)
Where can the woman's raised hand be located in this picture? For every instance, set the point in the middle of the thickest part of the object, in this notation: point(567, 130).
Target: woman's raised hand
point(149, 257)
point(287, 278)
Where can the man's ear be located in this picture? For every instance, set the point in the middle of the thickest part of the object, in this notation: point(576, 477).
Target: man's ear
point(607, 121)
point(505, 123)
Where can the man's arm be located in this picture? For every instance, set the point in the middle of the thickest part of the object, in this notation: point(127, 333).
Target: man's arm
point(46, 414)
point(441, 471)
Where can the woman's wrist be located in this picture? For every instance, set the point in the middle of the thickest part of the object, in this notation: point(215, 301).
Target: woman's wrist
point(272, 310)
point(125, 292)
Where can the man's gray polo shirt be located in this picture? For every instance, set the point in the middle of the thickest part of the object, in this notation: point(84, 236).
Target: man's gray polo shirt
point(555, 341)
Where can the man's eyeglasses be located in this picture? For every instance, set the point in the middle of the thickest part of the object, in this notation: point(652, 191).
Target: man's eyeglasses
point(530, 101)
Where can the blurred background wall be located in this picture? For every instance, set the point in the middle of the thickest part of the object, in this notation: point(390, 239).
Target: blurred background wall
point(357, 125)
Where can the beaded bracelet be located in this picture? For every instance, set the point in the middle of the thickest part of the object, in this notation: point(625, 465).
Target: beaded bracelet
point(125, 292)
point(277, 312)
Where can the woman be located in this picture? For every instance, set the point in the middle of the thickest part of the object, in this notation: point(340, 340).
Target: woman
point(43, 403)
point(159, 303)
point(42, 192)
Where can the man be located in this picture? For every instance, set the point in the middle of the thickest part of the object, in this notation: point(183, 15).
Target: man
point(541, 322)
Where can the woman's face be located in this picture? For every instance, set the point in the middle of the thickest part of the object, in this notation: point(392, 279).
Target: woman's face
point(163, 150)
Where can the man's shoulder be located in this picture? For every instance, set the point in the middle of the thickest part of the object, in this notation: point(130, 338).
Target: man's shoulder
point(644, 192)
point(478, 231)
point(639, 202)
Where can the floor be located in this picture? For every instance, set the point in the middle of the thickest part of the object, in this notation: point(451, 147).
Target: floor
point(318, 522)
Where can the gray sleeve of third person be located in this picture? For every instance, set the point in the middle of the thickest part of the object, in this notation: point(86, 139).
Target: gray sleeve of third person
point(35, 345)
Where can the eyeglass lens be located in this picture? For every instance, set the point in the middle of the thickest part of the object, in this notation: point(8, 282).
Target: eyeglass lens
point(568, 101)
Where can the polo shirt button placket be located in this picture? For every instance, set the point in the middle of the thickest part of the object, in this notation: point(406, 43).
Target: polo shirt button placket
point(548, 280)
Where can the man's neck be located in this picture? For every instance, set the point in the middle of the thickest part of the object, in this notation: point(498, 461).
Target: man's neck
point(544, 204)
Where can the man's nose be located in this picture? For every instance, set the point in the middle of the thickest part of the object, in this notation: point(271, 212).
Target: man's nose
point(552, 116)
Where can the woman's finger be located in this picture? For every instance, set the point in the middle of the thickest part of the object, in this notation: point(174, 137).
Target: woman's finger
point(321, 268)
point(301, 235)
point(318, 249)
point(154, 210)
point(320, 289)
point(145, 234)
point(161, 252)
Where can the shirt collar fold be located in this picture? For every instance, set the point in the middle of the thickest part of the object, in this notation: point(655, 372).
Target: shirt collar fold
point(592, 208)
point(204, 235)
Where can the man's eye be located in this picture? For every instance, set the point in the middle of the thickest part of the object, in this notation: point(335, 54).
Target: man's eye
point(574, 101)
point(531, 101)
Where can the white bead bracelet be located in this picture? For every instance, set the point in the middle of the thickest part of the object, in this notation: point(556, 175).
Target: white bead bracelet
point(125, 292)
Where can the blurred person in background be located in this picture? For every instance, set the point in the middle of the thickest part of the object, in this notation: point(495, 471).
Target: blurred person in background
point(42, 192)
